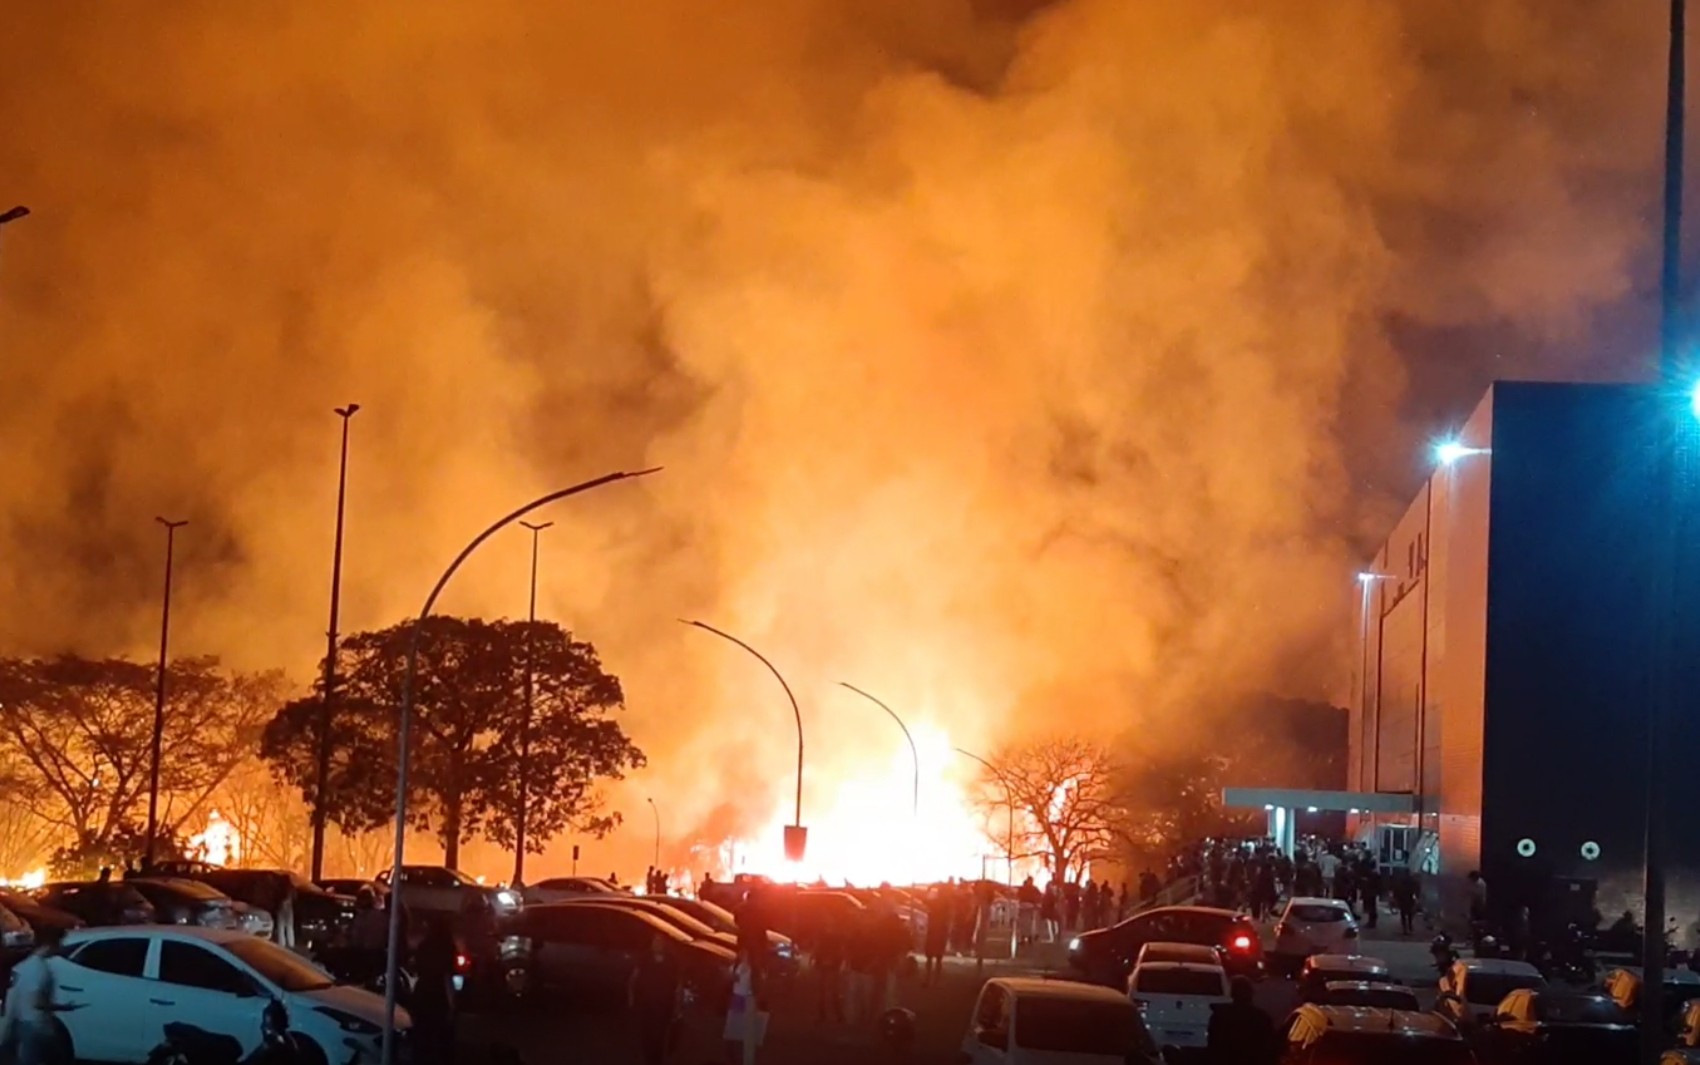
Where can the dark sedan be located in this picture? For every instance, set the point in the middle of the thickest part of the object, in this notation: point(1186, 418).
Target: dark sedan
point(692, 927)
point(1106, 956)
point(321, 917)
point(806, 916)
point(1537, 1027)
point(593, 949)
point(187, 902)
point(721, 920)
point(37, 914)
point(98, 902)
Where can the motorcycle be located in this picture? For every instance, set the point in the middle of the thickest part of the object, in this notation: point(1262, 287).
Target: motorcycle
point(185, 1044)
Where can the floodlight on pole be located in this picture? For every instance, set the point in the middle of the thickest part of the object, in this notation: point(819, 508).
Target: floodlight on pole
point(1448, 452)
point(1368, 578)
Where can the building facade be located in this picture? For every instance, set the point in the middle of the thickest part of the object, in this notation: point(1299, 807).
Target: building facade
point(1508, 652)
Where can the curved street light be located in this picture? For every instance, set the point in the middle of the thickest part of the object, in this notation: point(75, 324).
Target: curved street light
point(797, 821)
point(913, 752)
point(1009, 800)
point(391, 953)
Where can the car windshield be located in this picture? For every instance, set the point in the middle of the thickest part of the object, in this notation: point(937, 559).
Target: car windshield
point(1580, 1009)
point(1313, 913)
point(284, 968)
point(1179, 982)
point(1064, 1026)
point(1487, 989)
point(1377, 1048)
point(706, 912)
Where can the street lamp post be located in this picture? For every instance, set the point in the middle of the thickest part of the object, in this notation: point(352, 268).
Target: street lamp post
point(322, 777)
point(1009, 800)
point(1367, 581)
point(171, 528)
point(654, 810)
point(1674, 370)
point(913, 752)
point(392, 956)
point(523, 814)
point(13, 214)
point(797, 820)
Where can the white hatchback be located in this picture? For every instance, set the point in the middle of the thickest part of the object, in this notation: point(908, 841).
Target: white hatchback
point(1177, 1000)
point(124, 984)
point(1314, 926)
point(1023, 1021)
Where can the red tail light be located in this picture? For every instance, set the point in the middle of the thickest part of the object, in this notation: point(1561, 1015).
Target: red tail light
point(462, 963)
point(1241, 943)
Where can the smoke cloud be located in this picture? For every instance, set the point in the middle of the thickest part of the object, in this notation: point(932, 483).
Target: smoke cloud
point(1018, 362)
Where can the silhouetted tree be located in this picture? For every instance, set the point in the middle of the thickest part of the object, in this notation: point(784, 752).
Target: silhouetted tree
point(1067, 806)
point(77, 733)
point(469, 708)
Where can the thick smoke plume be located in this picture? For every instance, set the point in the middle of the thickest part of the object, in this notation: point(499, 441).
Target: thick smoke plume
point(1018, 362)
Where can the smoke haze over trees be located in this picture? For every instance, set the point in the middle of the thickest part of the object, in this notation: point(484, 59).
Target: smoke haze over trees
point(1007, 355)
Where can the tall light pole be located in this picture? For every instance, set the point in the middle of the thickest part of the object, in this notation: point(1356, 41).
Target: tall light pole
point(1366, 582)
point(796, 836)
point(1009, 800)
point(654, 810)
point(171, 528)
point(913, 752)
point(1674, 371)
point(524, 811)
point(322, 778)
point(392, 957)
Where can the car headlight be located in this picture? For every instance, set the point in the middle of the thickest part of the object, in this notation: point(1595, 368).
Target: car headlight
point(507, 898)
point(1074, 944)
point(786, 949)
point(348, 1022)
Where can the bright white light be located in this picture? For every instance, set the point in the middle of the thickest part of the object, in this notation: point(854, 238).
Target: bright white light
point(1269, 807)
point(1694, 399)
point(1311, 810)
point(1448, 452)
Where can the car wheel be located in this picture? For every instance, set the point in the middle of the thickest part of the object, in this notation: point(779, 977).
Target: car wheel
point(308, 1051)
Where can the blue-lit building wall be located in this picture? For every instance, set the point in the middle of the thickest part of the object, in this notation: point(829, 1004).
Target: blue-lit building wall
point(1508, 643)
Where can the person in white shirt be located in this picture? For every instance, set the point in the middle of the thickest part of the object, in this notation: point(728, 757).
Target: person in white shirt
point(30, 1004)
point(1329, 865)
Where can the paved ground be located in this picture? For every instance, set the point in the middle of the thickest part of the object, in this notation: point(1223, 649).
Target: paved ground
point(606, 1036)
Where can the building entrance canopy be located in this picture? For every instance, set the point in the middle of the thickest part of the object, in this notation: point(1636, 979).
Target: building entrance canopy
point(1282, 803)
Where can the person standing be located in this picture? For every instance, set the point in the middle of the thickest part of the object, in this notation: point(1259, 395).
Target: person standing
point(31, 1004)
point(1028, 900)
point(1240, 1033)
point(653, 996)
point(938, 934)
point(1329, 866)
point(433, 1000)
point(1049, 911)
point(1405, 900)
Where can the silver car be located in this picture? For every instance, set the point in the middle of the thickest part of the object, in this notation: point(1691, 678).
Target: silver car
point(439, 889)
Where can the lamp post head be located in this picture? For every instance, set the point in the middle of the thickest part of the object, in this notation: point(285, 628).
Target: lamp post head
point(346, 412)
point(1368, 577)
point(14, 214)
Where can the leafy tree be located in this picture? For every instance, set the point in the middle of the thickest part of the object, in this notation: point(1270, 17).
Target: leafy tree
point(1064, 793)
point(77, 735)
point(468, 703)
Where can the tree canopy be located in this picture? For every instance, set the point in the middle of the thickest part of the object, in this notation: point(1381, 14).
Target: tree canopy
point(465, 762)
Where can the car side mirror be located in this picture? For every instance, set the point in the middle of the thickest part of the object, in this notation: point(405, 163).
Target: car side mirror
point(993, 1037)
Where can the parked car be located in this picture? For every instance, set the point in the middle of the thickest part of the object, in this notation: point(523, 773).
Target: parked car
point(1535, 1027)
point(37, 914)
point(97, 902)
point(186, 902)
point(1473, 988)
point(429, 889)
point(321, 917)
point(805, 915)
point(1368, 994)
point(783, 948)
point(1312, 926)
point(1019, 1021)
point(1177, 1000)
point(17, 939)
point(1319, 970)
point(1687, 1049)
point(351, 886)
point(124, 984)
point(1106, 955)
point(692, 927)
point(594, 949)
point(1350, 1036)
point(562, 888)
point(1682, 986)
point(253, 920)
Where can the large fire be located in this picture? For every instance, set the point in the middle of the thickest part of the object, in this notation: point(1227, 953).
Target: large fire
point(217, 844)
point(871, 832)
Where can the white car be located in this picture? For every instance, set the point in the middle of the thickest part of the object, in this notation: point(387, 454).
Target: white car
point(1023, 1021)
point(1177, 1000)
point(1314, 926)
point(1471, 991)
point(124, 984)
point(1192, 953)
